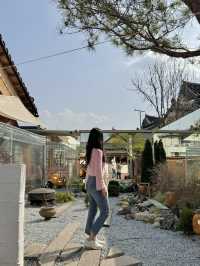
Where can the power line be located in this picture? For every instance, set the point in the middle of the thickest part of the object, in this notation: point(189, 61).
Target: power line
point(52, 55)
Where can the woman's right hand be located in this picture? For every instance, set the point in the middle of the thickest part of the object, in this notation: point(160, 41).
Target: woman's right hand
point(104, 192)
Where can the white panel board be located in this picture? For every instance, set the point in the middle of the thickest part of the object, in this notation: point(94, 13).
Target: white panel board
point(12, 190)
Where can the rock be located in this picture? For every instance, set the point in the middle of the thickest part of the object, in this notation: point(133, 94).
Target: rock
point(175, 210)
point(123, 203)
point(146, 204)
point(168, 220)
point(130, 216)
point(124, 211)
point(156, 225)
point(145, 217)
point(158, 205)
point(157, 220)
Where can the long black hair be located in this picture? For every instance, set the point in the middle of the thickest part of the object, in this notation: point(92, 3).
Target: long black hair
point(95, 140)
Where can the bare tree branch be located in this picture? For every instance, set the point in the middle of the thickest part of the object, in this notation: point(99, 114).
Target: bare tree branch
point(160, 85)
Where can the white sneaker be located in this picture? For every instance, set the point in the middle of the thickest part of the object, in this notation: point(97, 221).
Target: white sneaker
point(91, 244)
point(102, 242)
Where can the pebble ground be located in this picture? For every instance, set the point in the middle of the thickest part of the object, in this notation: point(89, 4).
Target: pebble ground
point(152, 246)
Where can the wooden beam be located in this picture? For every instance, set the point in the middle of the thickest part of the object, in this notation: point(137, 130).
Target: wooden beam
point(90, 258)
point(62, 208)
point(71, 254)
point(56, 246)
point(33, 252)
point(121, 261)
point(69, 133)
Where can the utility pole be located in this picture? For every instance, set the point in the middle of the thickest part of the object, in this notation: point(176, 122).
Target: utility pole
point(140, 113)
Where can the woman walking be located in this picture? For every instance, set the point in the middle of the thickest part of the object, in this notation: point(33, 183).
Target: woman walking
point(96, 188)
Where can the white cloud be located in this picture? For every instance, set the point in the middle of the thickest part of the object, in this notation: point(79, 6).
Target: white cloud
point(141, 62)
point(139, 59)
point(70, 120)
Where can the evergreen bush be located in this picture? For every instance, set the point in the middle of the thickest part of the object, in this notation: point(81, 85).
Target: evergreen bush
point(113, 188)
point(147, 162)
point(185, 223)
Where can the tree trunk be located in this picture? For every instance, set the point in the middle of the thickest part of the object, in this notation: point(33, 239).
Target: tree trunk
point(194, 6)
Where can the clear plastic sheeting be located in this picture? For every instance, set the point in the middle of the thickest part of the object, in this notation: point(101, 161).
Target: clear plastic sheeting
point(22, 147)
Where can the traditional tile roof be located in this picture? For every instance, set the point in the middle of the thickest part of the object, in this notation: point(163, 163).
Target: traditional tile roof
point(15, 78)
point(187, 102)
point(150, 122)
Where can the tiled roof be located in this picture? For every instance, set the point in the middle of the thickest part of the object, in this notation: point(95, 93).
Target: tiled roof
point(16, 80)
point(150, 122)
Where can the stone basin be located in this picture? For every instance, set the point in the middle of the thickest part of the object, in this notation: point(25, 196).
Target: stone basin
point(41, 196)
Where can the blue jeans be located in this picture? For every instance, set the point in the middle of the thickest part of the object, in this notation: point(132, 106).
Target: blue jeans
point(96, 199)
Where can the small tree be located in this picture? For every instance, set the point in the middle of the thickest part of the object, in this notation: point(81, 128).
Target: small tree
point(159, 152)
point(162, 153)
point(156, 152)
point(147, 162)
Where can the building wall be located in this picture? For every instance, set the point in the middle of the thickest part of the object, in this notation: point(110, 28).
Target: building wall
point(6, 87)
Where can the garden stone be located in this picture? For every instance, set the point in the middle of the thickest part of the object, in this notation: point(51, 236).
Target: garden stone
point(168, 220)
point(124, 211)
point(130, 216)
point(146, 204)
point(157, 219)
point(156, 225)
point(145, 217)
point(176, 210)
point(158, 205)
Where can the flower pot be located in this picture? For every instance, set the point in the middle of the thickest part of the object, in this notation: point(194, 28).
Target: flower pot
point(196, 223)
point(142, 189)
point(170, 199)
point(47, 212)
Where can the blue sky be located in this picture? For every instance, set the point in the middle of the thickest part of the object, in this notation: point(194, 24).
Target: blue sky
point(73, 91)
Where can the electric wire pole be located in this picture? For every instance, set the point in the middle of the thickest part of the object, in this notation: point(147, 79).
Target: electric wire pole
point(140, 113)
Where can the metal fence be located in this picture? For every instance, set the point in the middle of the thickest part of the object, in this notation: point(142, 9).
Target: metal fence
point(63, 160)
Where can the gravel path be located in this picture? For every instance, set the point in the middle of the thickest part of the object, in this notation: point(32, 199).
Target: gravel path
point(152, 246)
point(39, 231)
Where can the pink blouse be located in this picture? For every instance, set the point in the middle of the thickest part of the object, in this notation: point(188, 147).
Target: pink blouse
point(96, 168)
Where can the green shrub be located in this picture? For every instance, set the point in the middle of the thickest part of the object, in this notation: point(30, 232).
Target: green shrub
point(113, 188)
point(77, 185)
point(185, 223)
point(62, 197)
